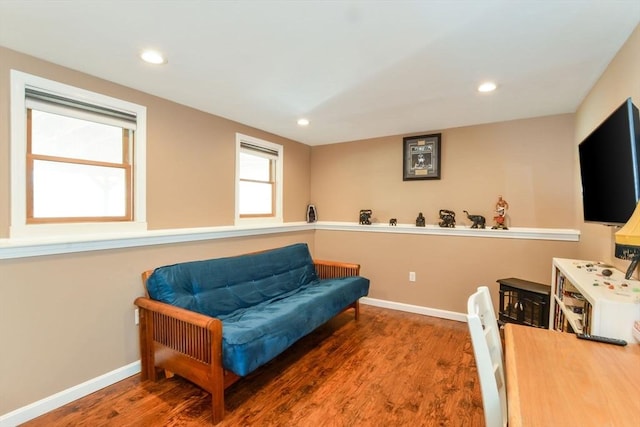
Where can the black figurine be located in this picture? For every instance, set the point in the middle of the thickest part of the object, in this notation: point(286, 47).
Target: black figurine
point(420, 221)
point(312, 214)
point(447, 218)
point(365, 216)
point(478, 220)
point(393, 221)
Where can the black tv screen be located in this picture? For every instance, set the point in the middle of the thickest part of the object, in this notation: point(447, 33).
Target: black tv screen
point(610, 168)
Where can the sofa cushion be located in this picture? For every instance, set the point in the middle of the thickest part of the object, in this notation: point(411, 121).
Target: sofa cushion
point(251, 337)
point(217, 287)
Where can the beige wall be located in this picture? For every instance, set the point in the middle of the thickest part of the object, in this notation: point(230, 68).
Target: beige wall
point(620, 80)
point(530, 162)
point(65, 319)
point(448, 269)
point(190, 154)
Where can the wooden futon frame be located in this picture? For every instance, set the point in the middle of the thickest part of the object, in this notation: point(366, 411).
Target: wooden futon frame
point(189, 344)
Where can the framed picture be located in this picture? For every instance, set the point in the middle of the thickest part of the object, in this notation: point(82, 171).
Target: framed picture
point(421, 157)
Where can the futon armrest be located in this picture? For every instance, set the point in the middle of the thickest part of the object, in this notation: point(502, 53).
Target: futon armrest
point(333, 269)
point(191, 317)
point(171, 337)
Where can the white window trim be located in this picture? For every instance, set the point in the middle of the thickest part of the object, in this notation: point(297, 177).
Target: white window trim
point(277, 218)
point(19, 227)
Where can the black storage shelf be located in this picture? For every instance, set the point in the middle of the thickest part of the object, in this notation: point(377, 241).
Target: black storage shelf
point(524, 302)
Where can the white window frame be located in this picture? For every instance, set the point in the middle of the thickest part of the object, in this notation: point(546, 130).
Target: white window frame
point(19, 227)
point(277, 218)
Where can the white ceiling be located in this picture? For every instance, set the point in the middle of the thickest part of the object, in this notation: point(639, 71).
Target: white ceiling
point(355, 69)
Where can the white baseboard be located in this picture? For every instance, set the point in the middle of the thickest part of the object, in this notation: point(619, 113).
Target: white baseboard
point(35, 409)
point(434, 312)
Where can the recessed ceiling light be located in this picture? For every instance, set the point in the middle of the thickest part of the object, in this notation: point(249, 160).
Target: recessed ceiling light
point(487, 87)
point(153, 57)
point(303, 122)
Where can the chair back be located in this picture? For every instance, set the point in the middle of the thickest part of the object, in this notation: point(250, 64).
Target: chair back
point(487, 348)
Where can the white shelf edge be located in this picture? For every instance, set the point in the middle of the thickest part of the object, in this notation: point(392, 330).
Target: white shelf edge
point(33, 247)
point(559, 234)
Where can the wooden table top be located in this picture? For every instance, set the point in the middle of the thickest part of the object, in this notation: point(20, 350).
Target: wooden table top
point(555, 379)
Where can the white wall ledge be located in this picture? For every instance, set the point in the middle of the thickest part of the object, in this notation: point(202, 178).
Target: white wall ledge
point(29, 247)
point(561, 234)
point(32, 247)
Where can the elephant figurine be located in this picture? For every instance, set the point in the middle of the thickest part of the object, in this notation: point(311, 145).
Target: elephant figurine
point(478, 220)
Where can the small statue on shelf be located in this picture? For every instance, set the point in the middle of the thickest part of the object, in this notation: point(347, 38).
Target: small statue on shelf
point(501, 214)
point(312, 215)
point(420, 220)
point(365, 216)
point(478, 220)
point(393, 222)
point(447, 218)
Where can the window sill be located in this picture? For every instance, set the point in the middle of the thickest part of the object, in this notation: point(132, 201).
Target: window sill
point(32, 247)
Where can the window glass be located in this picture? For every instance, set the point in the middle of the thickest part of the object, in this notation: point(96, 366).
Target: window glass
point(56, 135)
point(79, 167)
point(254, 167)
point(256, 198)
point(75, 190)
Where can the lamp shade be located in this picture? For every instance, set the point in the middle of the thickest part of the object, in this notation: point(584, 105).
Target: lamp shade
point(628, 241)
point(628, 237)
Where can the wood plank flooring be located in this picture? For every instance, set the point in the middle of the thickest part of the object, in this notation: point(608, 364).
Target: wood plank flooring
point(388, 369)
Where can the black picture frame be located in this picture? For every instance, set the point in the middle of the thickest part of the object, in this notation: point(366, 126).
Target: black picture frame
point(421, 157)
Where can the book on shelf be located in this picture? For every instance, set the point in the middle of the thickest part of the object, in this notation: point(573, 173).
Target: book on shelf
point(574, 302)
point(560, 321)
point(586, 318)
point(559, 285)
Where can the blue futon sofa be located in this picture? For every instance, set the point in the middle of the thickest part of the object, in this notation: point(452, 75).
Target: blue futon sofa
point(216, 320)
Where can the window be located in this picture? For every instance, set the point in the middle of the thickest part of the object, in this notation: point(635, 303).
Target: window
point(258, 179)
point(78, 160)
point(79, 167)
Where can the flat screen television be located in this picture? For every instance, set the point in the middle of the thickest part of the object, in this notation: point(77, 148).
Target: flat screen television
point(610, 168)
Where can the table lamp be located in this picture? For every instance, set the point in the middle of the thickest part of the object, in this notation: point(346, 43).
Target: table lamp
point(628, 242)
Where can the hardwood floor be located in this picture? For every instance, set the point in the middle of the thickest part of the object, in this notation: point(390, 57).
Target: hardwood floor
point(388, 369)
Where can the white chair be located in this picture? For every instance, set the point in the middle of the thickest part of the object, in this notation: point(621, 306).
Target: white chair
point(487, 348)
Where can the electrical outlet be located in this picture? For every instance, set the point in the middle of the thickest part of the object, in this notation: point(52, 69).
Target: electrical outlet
point(412, 276)
point(136, 316)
